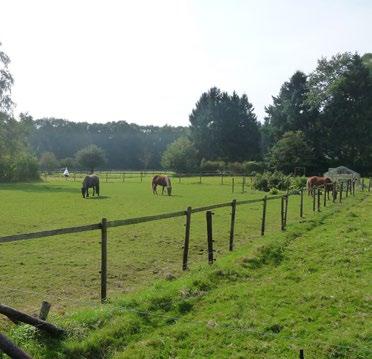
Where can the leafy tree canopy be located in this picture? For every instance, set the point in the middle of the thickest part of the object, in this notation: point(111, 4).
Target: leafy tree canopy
point(180, 156)
point(291, 151)
point(91, 157)
point(6, 82)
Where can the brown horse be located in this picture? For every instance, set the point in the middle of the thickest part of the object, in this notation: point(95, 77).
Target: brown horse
point(163, 181)
point(315, 181)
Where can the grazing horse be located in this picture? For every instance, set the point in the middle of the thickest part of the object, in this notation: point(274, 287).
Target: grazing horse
point(91, 181)
point(316, 181)
point(163, 181)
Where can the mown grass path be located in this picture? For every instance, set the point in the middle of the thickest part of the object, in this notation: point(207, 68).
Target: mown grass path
point(306, 288)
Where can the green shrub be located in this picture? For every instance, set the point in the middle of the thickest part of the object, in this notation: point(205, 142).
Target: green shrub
point(298, 182)
point(251, 168)
point(235, 167)
point(25, 168)
point(212, 166)
point(276, 180)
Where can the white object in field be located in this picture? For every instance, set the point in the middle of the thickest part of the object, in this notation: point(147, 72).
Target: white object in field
point(66, 173)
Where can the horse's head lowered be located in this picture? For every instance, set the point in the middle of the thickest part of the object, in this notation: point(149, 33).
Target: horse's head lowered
point(91, 181)
point(162, 181)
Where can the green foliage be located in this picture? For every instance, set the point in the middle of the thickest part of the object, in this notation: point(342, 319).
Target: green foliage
point(68, 162)
point(270, 180)
point(48, 162)
point(6, 83)
point(180, 156)
point(367, 61)
point(235, 167)
point(127, 146)
point(25, 168)
point(90, 157)
point(212, 166)
point(225, 127)
point(291, 151)
point(298, 182)
point(16, 163)
point(332, 107)
point(251, 168)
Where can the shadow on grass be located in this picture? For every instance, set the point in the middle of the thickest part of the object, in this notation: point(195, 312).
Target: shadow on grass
point(96, 197)
point(39, 187)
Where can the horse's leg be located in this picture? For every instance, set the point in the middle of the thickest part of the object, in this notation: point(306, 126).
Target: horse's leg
point(162, 191)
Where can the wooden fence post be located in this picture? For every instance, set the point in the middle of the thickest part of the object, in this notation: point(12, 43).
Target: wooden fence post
point(282, 213)
point(286, 211)
point(103, 260)
point(243, 184)
point(347, 189)
point(325, 196)
point(106, 177)
point(74, 176)
point(209, 237)
point(179, 178)
point(334, 192)
point(314, 200)
point(141, 174)
point(302, 203)
point(341, 188)
point(363, 184)
point(318, 201)
point(221, 178)
point(187, 239)
point(11, 349)
point(233, 185)
point(263, 223)
point(44, 310)
point(369, 185)
point(200, 178)
point(232, 224)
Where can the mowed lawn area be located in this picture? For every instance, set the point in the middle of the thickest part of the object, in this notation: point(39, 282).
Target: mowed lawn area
point(64, 270)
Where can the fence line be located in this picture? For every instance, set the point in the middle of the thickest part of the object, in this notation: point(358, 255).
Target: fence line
point(104, 224)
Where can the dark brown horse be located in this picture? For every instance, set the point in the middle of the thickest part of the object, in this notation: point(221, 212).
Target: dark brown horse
point(163, 181)
point(315, 181)
point(91, 181)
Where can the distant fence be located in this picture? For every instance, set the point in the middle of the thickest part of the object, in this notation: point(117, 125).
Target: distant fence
point(337, 193)
point(123, 176)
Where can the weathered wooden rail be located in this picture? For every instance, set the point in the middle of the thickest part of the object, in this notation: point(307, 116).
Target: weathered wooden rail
point(105, 224)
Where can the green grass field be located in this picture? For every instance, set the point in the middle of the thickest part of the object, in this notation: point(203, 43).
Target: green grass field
point(65, 269)
point(308, 287)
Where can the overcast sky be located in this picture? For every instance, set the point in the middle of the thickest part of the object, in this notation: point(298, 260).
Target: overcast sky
point(148, 62)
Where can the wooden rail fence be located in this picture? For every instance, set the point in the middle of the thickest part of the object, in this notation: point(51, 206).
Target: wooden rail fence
point(105, 224)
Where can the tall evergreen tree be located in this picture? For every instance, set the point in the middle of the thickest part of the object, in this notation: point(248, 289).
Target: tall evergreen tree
point(225, 127)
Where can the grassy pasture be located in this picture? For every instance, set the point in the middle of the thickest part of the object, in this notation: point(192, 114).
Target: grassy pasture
point(65, 269)
point(308, 287)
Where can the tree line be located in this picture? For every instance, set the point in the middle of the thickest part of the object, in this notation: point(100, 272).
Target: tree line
point(318, 120)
